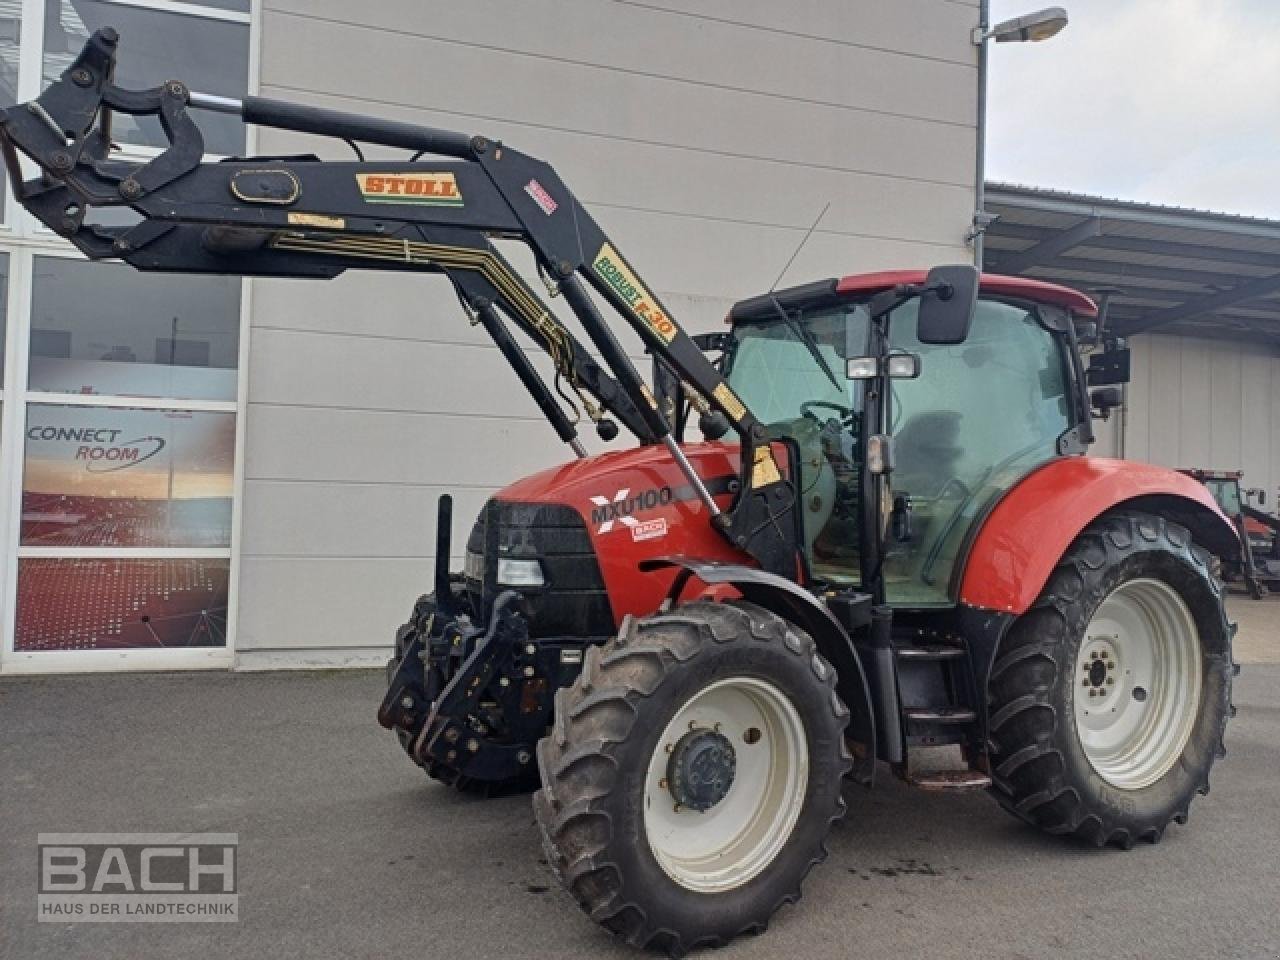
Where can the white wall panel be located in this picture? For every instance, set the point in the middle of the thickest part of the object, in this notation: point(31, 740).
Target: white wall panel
point(361, 446)
point(705, 137)
point(1261, 410)
point(325, 610)
point(1273, 486)
point(1213, 404)
point(922, 28)
point(1106, 433)
point(1136, 440)
point(1165, 390)
point(298, 519)
point(642, 40)
point(689, 182)
point(1226, 410)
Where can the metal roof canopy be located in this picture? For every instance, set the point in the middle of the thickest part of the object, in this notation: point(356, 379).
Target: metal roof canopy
point(1173, 270)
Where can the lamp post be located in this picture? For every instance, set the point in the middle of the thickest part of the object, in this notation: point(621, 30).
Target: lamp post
point(1031, 28)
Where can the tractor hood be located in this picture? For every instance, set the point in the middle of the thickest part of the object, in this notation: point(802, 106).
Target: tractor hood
point(635, 505)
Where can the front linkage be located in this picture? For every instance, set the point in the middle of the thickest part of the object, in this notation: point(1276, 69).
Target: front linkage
point(468, 693)
point(451, 692)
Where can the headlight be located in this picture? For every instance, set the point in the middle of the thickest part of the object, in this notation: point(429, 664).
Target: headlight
point(473, 566)
point(519, 573)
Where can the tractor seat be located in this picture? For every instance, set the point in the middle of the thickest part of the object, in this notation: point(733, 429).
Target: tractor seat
point(927, 451)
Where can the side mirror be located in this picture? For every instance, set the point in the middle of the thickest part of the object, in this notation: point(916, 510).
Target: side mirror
point(946, 310)
point(1105, 399)
point(1113, 365)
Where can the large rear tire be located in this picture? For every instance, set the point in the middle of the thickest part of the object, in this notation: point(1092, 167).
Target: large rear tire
point(1109, 698)
point(693, 774)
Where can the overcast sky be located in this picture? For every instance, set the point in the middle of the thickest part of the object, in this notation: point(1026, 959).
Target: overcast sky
point(1167, 101)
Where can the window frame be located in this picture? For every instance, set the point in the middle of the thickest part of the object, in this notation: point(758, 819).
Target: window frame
point(23, 238)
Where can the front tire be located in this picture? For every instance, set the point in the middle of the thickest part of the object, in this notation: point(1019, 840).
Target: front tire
point(693, 774)
point(1109, 698)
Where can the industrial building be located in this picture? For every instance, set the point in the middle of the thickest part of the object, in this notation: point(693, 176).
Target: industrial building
point(215, 472)
point(1197, 296)
point(280, 444)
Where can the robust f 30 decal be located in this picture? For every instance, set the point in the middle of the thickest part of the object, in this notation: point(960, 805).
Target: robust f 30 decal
point(614, 271)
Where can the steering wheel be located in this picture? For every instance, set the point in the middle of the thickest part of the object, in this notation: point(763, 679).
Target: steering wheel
point(846, 413)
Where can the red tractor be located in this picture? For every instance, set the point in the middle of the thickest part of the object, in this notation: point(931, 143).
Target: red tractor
point(1259, 532)
point(889, 546)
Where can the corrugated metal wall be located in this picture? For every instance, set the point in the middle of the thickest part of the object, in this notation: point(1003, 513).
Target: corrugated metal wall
point(704, 135)
point(1205, 403)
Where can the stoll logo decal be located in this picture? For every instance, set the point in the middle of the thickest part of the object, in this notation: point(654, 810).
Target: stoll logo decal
point(102, 449)
point(423, 189)
point(623, 505)
point(137, 878)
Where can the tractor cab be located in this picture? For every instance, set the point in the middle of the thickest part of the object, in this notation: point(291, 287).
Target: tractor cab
point(965, 420)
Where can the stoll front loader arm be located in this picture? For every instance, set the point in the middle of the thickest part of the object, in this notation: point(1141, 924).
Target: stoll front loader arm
point(298, 216)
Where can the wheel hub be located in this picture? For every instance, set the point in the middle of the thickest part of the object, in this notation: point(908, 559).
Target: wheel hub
point(1100, 666)
point(700, 771)
point(1140, 681)
point(725, 784)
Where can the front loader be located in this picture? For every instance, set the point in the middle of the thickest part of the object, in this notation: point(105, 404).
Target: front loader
point(889, 548)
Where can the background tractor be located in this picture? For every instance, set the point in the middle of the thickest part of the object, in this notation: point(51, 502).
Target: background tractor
point(889, 546)
point(1259, 565)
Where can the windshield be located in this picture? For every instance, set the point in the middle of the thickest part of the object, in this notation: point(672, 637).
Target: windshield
point(1227, 493)
point(982, 414)
point(792, 377)
point(775, 372)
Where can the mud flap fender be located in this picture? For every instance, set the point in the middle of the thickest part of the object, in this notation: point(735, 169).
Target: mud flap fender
point(799, 606)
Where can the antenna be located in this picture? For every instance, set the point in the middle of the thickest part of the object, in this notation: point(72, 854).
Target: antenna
point(803, 241)
point(801, 334)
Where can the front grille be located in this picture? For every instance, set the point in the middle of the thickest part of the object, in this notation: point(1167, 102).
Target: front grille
point(574, 601)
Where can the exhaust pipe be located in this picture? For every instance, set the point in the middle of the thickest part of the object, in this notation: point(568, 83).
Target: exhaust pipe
point(444, 535)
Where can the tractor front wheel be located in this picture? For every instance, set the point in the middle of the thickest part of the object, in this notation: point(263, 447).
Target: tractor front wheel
point(1108, 699)
point(692, 775)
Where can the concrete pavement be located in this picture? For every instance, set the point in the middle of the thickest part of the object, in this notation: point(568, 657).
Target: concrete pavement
point(346, 851)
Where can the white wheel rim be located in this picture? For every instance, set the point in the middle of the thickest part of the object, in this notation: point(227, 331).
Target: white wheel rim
point(727, 845)
point(1137, 683)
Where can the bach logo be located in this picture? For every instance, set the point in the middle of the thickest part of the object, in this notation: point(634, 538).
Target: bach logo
point(649, 530)
point(623, 505)
point(138, 878)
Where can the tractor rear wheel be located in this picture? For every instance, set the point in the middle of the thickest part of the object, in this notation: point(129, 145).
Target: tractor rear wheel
point(693, 774)
point(1108, 699)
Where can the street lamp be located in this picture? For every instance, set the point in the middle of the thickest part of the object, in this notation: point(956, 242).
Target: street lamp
point(1030, 28)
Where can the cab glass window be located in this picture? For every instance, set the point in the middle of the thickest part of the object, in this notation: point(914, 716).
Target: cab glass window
point(982, 415)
